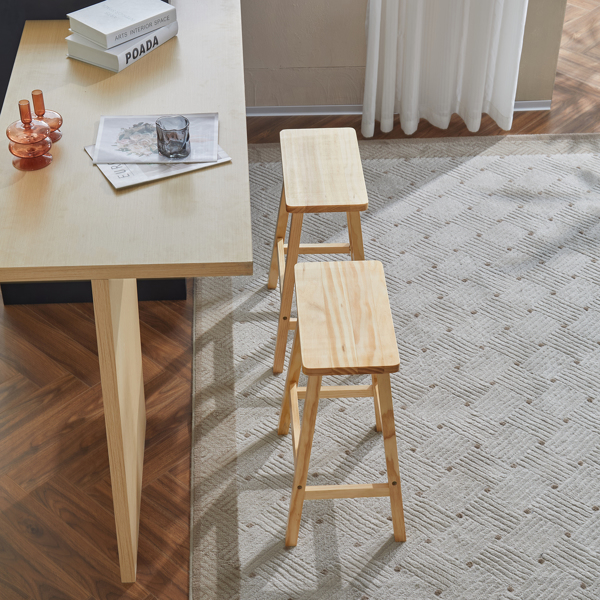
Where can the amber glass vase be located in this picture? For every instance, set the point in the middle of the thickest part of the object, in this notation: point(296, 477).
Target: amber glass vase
point(50, 117)
point(27, 130)
point(29, 141)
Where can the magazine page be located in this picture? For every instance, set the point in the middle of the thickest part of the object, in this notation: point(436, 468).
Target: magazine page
point(132, 139)
point(123, 175)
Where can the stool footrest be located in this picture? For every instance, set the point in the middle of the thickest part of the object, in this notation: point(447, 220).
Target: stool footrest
point(362, 490)
point(341, 391)
point(322, 248)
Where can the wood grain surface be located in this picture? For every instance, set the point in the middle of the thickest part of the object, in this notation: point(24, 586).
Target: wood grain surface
point(67, 222)
point(57, 527)
point(120, 357)
point(322, 171)
point(344, 318)
point(70, 453)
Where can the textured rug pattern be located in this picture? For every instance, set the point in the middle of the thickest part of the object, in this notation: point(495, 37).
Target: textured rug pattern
point(490, 247)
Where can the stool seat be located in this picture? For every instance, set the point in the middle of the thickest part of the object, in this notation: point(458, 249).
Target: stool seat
point(322, 171)
point(346, 326)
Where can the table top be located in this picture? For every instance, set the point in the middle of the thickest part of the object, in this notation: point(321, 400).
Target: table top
point(66, 222)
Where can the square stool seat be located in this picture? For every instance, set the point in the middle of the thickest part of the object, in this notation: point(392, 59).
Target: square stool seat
point(322, 171)
point(344, 319)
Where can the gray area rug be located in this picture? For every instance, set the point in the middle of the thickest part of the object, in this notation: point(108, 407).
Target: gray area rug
point(490, 247)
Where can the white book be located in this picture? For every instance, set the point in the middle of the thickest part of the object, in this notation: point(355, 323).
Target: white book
point(117, 58)
point(114, 22)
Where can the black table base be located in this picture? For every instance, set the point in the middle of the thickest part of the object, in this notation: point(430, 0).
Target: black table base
point(56, 292)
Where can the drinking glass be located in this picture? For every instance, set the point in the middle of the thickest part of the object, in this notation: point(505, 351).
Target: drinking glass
point(173, 136)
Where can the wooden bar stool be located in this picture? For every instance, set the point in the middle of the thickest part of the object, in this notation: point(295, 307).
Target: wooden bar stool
point(322, 173)
point(344, 328)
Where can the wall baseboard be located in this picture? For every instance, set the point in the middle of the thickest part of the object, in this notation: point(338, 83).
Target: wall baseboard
point(355, 109)
point(521, 105)
point(297, 111)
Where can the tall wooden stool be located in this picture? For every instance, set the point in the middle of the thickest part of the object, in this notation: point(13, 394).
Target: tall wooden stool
point(344, 328)
point(322, 173)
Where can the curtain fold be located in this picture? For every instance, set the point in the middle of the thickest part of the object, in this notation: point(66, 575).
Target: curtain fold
point(432, 58)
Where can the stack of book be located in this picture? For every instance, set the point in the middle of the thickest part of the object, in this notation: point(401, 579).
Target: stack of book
point(114, 34)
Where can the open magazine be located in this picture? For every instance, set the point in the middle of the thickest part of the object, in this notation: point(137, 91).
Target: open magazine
point(123, 175)
point(132, 139)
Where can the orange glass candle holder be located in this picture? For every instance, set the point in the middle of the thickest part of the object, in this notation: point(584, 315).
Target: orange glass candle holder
point(29, 141)
point(50, 117)
point(31, 157)
point(27, 130)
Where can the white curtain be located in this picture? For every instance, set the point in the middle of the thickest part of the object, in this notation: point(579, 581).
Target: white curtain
point(432, 58)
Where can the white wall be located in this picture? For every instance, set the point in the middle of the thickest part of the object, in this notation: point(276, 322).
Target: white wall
point(303, 52)
point(541, 45)
point(299, 52)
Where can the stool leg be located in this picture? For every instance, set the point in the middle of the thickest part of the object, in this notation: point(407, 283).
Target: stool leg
point(376, 403)
point(309, 418)
point(391, 455)
point(282, 220)
point(287, 293)
point(357, 251)
point(292, 377)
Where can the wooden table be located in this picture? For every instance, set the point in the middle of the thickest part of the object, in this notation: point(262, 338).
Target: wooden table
point(66, 222)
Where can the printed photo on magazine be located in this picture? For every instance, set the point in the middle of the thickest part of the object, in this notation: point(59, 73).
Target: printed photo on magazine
point(132, 139)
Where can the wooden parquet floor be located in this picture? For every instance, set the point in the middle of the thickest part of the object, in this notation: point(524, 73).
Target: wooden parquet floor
point(57, 533)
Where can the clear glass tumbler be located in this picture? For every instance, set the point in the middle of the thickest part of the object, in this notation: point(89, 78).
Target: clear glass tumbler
point(173, 136)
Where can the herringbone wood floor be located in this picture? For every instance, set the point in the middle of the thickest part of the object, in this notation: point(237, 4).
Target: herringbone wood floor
point(57, 535)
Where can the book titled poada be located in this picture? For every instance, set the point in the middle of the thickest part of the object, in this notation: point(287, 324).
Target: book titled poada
point(115, 22)
point(119, 57)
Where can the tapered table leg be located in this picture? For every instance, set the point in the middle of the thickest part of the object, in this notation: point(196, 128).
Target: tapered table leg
point(120, 354)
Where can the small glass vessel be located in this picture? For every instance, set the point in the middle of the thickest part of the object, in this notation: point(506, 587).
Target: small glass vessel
point(50, 117)
point(173, 136)
point(29, 143)
point(27, 130)
point(31, 157)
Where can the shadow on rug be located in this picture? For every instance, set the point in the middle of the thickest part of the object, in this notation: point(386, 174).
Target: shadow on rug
point(490, 247)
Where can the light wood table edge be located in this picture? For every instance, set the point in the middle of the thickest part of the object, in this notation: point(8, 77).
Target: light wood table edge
point(164, 271)
point(291, 209)
point(354, 370)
